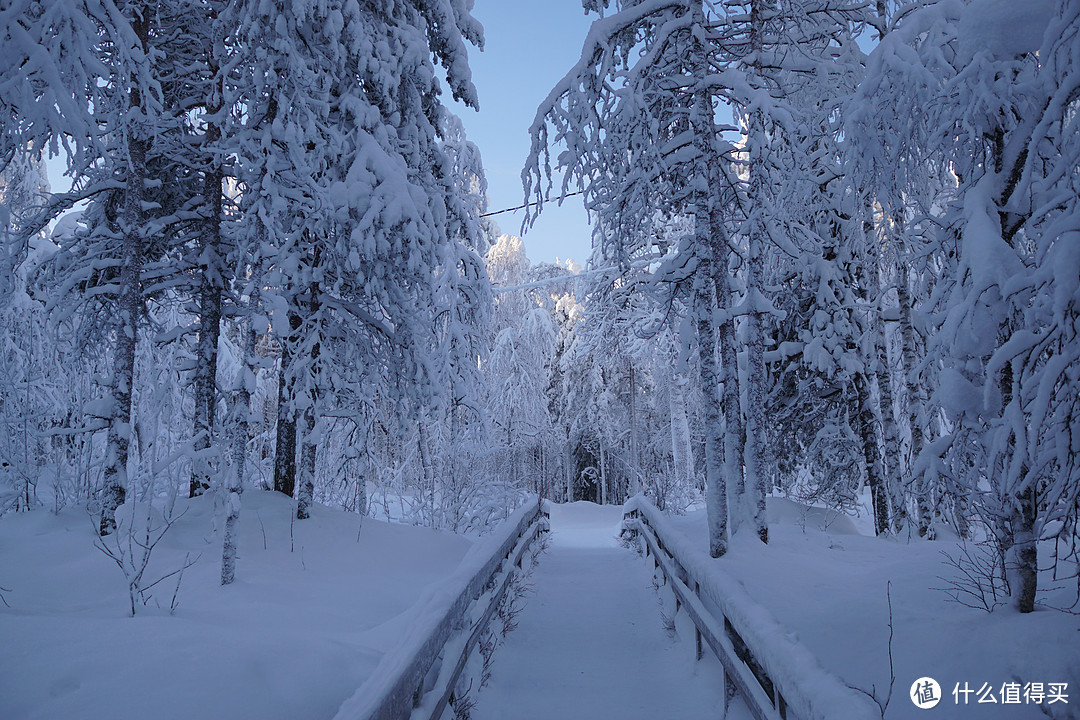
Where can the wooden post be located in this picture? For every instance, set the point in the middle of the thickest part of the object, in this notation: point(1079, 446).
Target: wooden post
point(697, 630)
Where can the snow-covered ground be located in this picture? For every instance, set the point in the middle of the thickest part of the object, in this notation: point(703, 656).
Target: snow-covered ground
point(829, 586)
point(301, 629)
point(293, 637)
point(590, 643)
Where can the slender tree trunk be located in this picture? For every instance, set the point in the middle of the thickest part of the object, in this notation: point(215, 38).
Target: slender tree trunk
point(871, 432)
point(755, 482)
point(916, 399)
point(635, 468)
point(568, 494)
point(890, 430)
point(367, 469)
point(897, 495)
point(308, 449)
point(716, 491)
point(119, 431)
point(962, 515)
point(241, 436)
point(428, 471)
point(712, 269)
point(118, 437)
point(875, 477)
point(1020, 548)
point(285, 446)
point(210, 289)
point(681, 451)
point(232, 509)
point(1022, 556)
point(305, 495)
point(734, 432)
point(603, 473)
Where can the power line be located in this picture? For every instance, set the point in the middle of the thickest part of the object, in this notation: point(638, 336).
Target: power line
point(530, 204)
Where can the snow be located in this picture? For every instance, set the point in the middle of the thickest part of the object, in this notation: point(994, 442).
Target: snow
point(299, 632)
point(1003, 28)
point(827, 585)
point(293, 637)
point(590, 641)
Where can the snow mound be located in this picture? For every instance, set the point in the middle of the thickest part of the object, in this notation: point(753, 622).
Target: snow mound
point(784, 511)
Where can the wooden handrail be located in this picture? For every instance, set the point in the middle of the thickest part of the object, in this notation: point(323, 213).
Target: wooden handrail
point(396, 686)
point(768, 696)
point(448, 681)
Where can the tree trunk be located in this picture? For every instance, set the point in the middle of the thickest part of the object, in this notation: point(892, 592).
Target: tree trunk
point(1020, 548)
point(716, 492)
point(232, 521)
point(602, 490)
point(309, 448)
point(634, 466)
point(119, 431)
point(241, 436)
point(210, 288)
point(681, 451)
point(1021, 560)
point(428, 487)
point(568, 494)
point(890, 432)
point(118, 437)
point(367, 469)
point(875, 478)
point(734, 434)
point(755, 481)
point(872, 433)
point(285, 446)
point(707, 240)
point(916, 400)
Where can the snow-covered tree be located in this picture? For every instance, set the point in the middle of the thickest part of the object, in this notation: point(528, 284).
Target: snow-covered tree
point(640, 117)
point(996, 136)
point(518, 367)
point(343, 119)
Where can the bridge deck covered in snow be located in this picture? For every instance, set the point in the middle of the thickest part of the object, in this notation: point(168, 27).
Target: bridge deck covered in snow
point(590, 642)
point(596, 640)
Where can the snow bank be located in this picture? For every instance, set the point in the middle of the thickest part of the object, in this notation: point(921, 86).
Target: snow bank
point(306, 621)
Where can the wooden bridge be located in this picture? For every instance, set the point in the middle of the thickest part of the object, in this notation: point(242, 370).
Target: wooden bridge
point(590, 642)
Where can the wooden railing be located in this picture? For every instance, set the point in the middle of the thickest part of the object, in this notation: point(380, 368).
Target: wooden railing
point(428, 663)
point(777, 677)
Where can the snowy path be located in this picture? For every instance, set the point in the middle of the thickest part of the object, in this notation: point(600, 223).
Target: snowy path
point(590, 643)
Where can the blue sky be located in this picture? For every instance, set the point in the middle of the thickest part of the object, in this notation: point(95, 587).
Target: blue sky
point(529, 46)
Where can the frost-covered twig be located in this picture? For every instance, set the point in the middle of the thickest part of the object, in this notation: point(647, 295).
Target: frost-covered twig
point(173, 605)
point(134, 559)
point(980, 582)
point(883, 705)
point(261, 527)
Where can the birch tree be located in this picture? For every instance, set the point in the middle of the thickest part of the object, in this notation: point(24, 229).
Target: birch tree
point(1000, 91)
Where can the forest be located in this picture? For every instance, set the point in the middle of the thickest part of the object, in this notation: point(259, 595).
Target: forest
point(835, 259)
